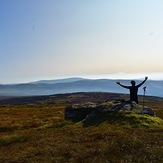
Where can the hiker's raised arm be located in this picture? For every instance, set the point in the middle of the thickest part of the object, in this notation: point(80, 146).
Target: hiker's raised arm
point(142, 82)
point(124, 86)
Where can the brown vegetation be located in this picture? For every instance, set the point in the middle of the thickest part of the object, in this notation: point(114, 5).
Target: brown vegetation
point(39, 133)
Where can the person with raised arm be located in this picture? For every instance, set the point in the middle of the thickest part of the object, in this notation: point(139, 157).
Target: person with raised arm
point(133, 89)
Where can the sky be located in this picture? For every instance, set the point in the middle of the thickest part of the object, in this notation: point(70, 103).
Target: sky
point(49, 39)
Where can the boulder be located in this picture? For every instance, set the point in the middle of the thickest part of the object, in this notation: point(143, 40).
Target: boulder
point(148, 111)
point(79, 111)
point(87, 110)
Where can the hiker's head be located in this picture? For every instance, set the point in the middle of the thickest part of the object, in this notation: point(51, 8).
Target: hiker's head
point(133, 83)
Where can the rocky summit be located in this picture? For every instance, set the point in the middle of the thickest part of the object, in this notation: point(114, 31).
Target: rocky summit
point(114, 112)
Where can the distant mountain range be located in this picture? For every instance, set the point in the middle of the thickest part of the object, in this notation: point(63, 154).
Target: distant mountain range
point(71, 85)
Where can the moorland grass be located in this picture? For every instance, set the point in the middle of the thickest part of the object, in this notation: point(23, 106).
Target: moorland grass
point(9, 139)
point(129, 118)
point(39, 133)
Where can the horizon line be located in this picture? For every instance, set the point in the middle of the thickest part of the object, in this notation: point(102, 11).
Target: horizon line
point(158, 76)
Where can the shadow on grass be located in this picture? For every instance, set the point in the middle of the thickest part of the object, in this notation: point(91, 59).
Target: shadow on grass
point(101, 118)
point(131, 119)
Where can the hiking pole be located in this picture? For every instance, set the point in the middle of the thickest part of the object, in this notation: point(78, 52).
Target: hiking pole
point(144, 88)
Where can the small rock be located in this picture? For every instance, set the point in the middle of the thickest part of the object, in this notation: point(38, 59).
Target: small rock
point(148, 111)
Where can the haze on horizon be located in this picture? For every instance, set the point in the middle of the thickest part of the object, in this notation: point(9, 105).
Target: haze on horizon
point(46, 39)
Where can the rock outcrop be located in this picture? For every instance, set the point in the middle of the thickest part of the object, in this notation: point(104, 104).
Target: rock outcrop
point(82, 111)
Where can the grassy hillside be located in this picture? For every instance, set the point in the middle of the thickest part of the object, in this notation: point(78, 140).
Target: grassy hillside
point(39, 133)
point(69, 98)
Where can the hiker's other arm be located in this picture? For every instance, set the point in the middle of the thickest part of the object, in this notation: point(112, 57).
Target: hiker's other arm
point(122, 85)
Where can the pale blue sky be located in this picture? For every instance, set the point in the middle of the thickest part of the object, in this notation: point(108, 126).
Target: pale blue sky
point(46, 39)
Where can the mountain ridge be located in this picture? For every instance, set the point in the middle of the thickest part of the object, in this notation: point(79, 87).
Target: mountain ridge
point(72, 85)
point(54, 81)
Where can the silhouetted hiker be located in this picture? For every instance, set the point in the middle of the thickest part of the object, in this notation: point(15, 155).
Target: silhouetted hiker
point(133, 89)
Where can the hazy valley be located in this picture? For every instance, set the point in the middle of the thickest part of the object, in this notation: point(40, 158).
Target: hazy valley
point(71, 85)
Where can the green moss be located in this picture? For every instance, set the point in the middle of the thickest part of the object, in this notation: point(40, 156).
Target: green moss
point(138, 120)
point(131, 119)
